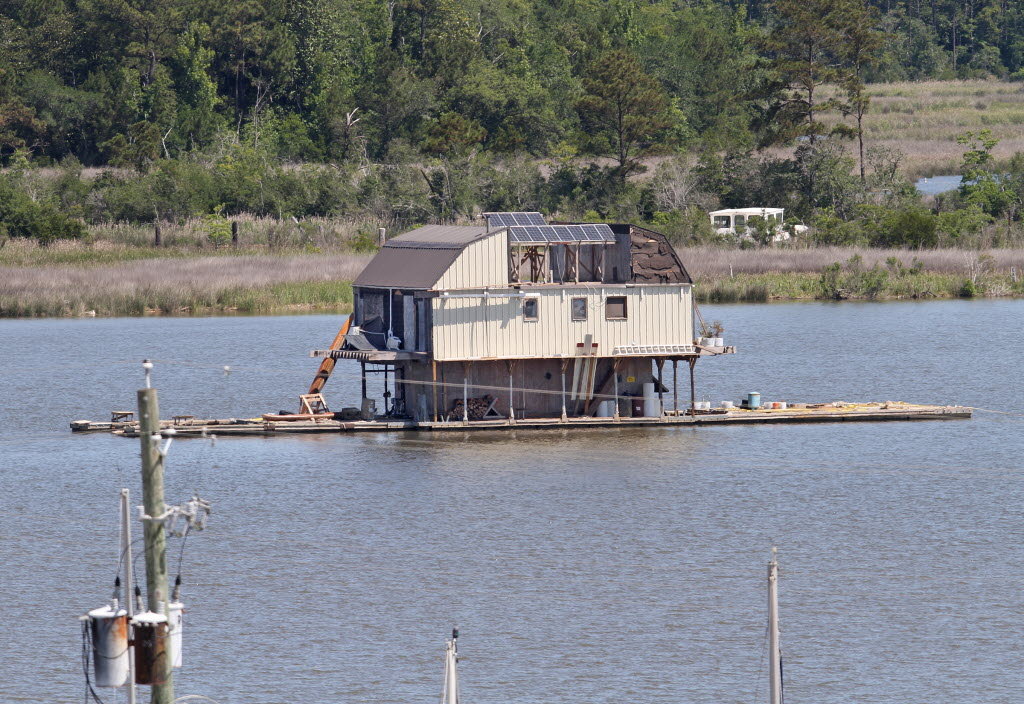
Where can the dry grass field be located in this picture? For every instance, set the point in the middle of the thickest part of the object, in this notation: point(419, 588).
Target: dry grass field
point(923, 120)
point(246, 284)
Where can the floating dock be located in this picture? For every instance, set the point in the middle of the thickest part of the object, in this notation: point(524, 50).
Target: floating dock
point(800, 413)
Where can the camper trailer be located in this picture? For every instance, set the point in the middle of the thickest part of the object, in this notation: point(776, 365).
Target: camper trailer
point(736, 221)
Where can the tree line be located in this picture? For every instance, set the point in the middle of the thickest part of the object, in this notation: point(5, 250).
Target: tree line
point(130, 82)
point(404, 111)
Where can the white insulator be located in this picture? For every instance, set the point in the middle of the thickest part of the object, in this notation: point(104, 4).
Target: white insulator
point(175, 611)
point(110, 646)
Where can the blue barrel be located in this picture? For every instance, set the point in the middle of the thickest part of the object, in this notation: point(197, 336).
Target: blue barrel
point(754, 399)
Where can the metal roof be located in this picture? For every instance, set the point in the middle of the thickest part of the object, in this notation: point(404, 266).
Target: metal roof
point(748, 211)
point(438, 237)
point(417, 259)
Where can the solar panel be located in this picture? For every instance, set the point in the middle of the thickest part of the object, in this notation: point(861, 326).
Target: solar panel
point(561, 234)
point(510, 219)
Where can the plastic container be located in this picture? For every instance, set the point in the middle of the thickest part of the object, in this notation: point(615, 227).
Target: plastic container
point(754, 399)
point(728, 404)
point(652, 404)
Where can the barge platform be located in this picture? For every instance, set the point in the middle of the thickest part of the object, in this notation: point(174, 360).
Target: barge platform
point(185, 426)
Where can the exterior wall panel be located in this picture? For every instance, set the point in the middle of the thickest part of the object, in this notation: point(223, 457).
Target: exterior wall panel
point(481, 264)
point(483, 326)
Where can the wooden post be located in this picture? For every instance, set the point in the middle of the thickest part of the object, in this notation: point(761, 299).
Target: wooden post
point(153, 530)
point(510, 365)
point(433, 385)
point(564, 416)
point(156, 234)
point(465, 399)
point(234, 233)
point(693, 388)
point(362, 376)
point(615, 378)
point(661, 401)
point(675, 387)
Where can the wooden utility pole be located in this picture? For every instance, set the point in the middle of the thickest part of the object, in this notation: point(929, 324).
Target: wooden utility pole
point(154, 532)
point(775, 655)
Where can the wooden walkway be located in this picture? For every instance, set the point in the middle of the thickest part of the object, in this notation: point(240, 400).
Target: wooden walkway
point(829, 413)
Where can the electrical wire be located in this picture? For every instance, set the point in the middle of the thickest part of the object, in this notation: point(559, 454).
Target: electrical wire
point(87, 649)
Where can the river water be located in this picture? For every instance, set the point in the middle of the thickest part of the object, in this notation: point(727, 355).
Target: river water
point(593, 566)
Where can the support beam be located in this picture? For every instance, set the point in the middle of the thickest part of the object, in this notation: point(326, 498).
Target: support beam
point(675, 386)
point(564, 415)
point(660, 362)
point(693, 387)
point(433, 385)
point(615, 377)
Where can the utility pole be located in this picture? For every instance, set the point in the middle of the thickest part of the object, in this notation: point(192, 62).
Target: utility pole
point(155, 536)
point(129, 582)
point(775, 655)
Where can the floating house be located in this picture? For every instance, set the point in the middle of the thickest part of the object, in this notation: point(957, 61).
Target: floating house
point(519, 318)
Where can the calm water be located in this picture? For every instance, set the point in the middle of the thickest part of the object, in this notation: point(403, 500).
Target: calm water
point(602, 566)
point(934, 185)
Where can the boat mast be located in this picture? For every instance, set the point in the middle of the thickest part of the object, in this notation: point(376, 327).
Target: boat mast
point(775, 654)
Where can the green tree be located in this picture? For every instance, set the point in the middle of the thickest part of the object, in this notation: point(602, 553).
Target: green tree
point(858, 53)
point(805, 48)
point(624, 111)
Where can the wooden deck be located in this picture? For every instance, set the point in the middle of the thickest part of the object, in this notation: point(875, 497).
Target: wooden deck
point(821, 413)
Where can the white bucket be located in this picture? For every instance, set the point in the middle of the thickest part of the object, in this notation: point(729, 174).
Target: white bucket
point(652, 405)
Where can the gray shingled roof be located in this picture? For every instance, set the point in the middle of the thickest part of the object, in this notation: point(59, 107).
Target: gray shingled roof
point(417, 259)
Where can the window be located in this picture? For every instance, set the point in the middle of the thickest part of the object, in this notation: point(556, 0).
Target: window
point(579, 309)
point(722, 221)
point(615, 308)
point(530, 309)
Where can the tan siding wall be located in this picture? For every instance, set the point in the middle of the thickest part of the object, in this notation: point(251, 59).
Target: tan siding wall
point(480, 327)
point(481, 264)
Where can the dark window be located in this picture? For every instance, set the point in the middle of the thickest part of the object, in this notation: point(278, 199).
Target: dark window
point(579, 309)
point(530, 309)
point(615, 308)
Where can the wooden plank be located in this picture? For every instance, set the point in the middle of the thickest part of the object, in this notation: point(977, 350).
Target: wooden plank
point(327, 365)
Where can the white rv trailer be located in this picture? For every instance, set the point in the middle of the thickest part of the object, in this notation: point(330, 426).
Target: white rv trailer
point(736, 221)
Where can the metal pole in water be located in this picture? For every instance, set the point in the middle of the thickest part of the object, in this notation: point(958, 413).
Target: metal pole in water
point(155, 537)
point(465, 400)
point(451, 670)
point(129, 582)
point(775, 654)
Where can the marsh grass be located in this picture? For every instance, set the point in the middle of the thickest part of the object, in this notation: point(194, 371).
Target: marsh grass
point(923, 120)
point(278, 283)
point(732, 275)
point(246, 284)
